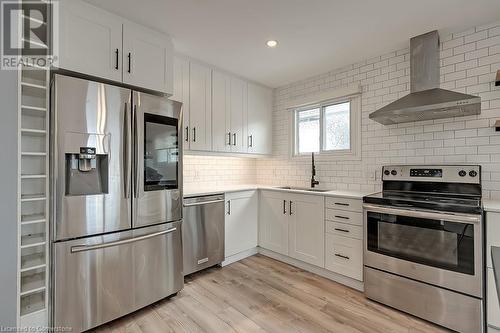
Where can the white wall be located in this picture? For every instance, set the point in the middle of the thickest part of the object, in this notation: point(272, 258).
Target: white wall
point(208, 171)
point(469, 61)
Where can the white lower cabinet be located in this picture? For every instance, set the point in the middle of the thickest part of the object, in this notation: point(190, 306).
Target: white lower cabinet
point(293, 225)
point(492, 239)
point(493, 306)
point(241, 222)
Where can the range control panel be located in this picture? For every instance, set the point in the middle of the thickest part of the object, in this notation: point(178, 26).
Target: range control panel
point(469, 174)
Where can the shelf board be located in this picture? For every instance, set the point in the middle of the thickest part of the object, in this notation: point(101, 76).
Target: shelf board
point(34, 20)
point(32, 85)
point(30, 153)
point(32, 261)
point(32, 240)
point(33, 131)
point(33, 197)
point(32, 219)
point(39, 176)
point(33, 302)
point(33, 108)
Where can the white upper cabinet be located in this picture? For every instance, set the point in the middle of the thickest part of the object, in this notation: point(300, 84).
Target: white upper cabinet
point(200, 107)
point(238, 102)
point(221, 106)
point(181, 93)
point(90, 40)
point(98, 43)
point(147, 58)
point(260, 101)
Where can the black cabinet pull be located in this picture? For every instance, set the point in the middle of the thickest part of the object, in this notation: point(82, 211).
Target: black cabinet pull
point(229, 207)
point(341, 204)
point(342, 230)
point(129, 62)
point(290, 207)
point(342, 217)
point(342, 256)
point(117, 55)
point(284, 207)
point(194, 134)
point(187, 134)
point(234, 139)
point(229, 138)
point(250, 144)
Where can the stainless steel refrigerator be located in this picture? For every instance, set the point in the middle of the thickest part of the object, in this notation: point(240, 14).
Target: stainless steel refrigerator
point(116, 170)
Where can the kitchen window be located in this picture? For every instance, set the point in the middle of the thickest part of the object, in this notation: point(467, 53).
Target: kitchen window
point(328, 128)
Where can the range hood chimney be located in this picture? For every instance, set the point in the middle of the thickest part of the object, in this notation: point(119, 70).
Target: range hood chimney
point(426, 100)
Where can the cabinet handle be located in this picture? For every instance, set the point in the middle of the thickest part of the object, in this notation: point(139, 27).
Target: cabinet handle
point(342, 230)
point(229, 138)
point(342, 256)
point(342, 217)
point(116, 54)
point(229, 207)
point(341, 204)
point(284, 207)
point(250, 141)
point(129, 62)
point(187, 134)
point(290, 207)
point(234, 139)
point(194, 134)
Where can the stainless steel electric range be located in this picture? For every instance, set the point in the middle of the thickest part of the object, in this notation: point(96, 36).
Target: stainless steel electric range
point(423, 250)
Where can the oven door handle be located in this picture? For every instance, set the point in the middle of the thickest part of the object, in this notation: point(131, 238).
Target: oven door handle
point(451, 217)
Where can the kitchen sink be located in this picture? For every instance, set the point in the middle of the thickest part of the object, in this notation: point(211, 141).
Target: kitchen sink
point(302, 189)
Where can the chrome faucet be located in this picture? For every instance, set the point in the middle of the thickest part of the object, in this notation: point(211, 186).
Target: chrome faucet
point(314, 182)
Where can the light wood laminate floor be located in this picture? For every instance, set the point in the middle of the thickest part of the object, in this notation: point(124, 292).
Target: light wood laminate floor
point(259, 294)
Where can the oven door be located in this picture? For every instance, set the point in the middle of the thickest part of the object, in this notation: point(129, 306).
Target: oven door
point(442, 249)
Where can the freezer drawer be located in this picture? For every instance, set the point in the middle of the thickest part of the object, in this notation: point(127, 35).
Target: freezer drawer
point(101, 278)
point(203, 232)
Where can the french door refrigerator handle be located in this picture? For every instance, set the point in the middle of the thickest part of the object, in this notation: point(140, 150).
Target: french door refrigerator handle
point(127, 153)
point(136, 154)
point(83, 248)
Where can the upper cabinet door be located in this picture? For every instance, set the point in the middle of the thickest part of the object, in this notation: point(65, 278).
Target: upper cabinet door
point(200, 107)
point(90, 40)
point(238, 101)
point(181, 93)
point(147, 58)
point(221, 103)
point(259, 119)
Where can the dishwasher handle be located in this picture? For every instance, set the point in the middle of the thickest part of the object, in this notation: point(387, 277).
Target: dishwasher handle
point(202, 203)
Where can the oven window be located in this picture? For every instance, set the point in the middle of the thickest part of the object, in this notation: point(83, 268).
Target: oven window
point(161, 153)
point(446, 245)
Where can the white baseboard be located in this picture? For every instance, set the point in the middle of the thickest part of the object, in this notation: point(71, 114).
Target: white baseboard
point(239, 256)
point(355, 284)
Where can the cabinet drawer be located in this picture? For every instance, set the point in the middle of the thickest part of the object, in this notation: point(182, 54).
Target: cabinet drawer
point(492, 234)
point(344, 230)
point(492, 300)
point(353, 205)
point(344, 256)
point(344, 216)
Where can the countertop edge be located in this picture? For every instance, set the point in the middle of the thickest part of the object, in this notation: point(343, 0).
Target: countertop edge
point(237, 188)
point(491, 206)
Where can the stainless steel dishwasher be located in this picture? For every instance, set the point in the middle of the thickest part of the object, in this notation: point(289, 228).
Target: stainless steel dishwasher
point(203, 232)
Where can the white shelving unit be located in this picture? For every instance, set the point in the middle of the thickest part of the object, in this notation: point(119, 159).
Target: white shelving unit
point(33, 195)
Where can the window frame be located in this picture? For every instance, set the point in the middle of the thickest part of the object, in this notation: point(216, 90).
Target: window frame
point(354, 152)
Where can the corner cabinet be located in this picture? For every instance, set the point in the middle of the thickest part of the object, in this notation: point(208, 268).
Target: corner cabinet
point(226, 114)
point(95, 42)
point(293, 225)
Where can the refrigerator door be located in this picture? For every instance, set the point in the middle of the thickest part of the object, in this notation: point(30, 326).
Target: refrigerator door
point(101, 278)
point(157, 160)
point(91, 157)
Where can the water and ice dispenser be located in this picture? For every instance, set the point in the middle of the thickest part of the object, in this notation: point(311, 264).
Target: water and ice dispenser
point(87, 171)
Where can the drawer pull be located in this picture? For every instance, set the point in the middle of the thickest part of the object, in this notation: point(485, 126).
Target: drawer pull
point(342, 217)
point(342, 230)
point(341, 204)
point(342, 256)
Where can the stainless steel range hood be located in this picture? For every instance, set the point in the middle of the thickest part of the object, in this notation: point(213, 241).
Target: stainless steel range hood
point(426, 100)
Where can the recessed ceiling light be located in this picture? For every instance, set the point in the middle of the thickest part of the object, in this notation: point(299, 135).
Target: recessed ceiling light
point(272, 43)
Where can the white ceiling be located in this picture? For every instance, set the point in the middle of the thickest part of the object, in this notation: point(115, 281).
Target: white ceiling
point(314, 36)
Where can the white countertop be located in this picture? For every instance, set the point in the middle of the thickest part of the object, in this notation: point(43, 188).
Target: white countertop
point(194, 191)
point(491, 205)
